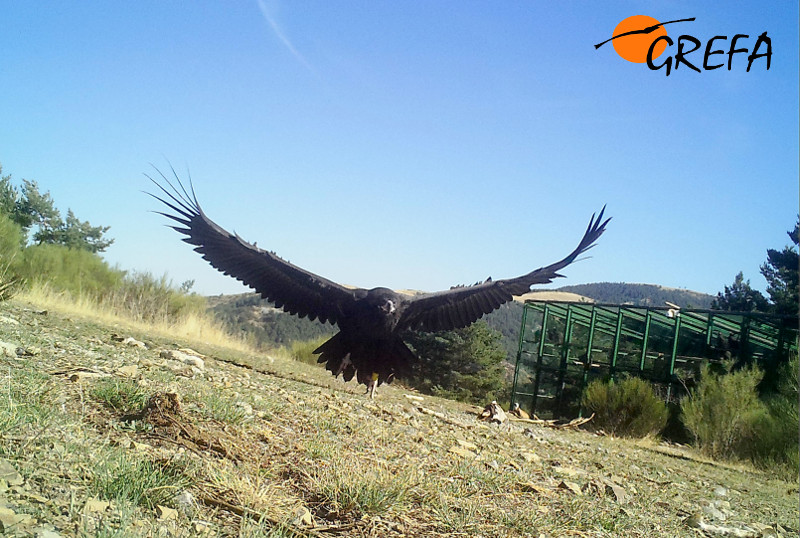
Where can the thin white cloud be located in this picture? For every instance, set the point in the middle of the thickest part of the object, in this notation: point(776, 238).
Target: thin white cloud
point(280, 35)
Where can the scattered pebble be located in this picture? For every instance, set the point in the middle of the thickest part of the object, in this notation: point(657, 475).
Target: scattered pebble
point(128, 371)
point(9, 474)
point(11, 522)
point(8, 350)
point(186, 502)
point(94, 505)
point(165, 513)
point(303, 517)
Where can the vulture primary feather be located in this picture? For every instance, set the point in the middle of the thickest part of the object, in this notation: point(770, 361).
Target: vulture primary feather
point(369, 344)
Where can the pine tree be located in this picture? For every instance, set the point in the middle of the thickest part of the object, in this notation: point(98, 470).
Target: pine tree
point(28, 207)
point(740, 297)
point(781, 271)
point(465, 364)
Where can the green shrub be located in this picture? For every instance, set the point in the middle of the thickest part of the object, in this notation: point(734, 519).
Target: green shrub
point(78, 272)
point(145, 297)
point(84, 277)
point(11, 239)
point(628, 407)
point(775, 444)
point(724, 414)
point(11, 243)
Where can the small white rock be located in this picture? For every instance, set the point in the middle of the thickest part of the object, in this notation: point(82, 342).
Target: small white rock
point(133, 342)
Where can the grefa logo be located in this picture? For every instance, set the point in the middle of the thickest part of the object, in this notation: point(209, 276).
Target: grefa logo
point(643, 39)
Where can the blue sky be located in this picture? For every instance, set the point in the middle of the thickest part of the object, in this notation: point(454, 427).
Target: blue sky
point(410, 144)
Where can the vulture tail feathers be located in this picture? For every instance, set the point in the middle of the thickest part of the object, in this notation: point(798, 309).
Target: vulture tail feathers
point(357, 357)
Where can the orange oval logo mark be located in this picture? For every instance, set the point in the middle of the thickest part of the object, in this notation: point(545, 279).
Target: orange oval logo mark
point(633, 36)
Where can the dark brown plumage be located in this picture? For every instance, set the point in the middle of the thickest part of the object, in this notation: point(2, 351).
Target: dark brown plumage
point(370, 322)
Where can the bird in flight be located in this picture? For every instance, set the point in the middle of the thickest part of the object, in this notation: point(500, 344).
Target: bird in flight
point(369, 344)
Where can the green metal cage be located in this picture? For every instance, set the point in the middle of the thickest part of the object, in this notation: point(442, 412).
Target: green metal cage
point(563, 346)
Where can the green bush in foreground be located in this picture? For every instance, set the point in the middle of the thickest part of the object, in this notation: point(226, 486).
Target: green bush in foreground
point(78, 272)
point(11, 242)
point(628, 407)
point(728, 420)
point(776, 441)
point(145, 297)
point(723, 413)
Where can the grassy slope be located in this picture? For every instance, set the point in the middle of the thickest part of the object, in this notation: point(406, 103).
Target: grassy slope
point(259, 441)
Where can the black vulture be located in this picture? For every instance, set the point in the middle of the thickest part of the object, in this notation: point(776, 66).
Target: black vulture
point(369, 343)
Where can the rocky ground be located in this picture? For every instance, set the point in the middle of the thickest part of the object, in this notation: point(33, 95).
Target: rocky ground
point(106, 431)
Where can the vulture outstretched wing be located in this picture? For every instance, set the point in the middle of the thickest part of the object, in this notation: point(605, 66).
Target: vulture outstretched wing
point(458, 307)
point(292, 288)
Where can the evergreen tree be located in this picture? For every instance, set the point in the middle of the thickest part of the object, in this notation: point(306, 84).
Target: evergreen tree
point(8, 195)
point(781, 271)
point(466, 364)
point(740, 297)
point(28, 207)
point(74, 233)
point(35, 208)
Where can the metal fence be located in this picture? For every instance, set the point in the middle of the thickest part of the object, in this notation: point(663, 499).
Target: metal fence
point(564, 346)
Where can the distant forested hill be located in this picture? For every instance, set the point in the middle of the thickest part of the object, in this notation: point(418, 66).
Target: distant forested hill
point(640, 294)
point(261, 323)
point(506, 320)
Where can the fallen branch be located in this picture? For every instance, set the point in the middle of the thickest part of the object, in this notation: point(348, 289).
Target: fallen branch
point(244, 512)
point(441, 416)
point(554, 423)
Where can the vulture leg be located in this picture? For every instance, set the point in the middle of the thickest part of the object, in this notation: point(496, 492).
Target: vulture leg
point(372, 385)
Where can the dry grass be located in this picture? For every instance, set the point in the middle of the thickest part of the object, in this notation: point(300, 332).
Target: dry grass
point(279, 448)
point(192, 326)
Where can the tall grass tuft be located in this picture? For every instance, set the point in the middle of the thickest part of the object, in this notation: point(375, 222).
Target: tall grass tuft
point(628, 407)
point(347, 487)
point(26, 401)
point(8, 283)
point(121, 395)
point(133, 477)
